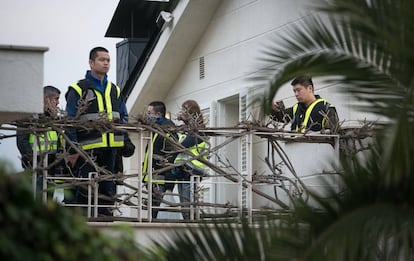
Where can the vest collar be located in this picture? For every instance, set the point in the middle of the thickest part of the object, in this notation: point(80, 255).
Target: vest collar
point(97, 82)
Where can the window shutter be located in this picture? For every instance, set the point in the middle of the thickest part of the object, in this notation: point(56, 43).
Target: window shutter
point(244, 153)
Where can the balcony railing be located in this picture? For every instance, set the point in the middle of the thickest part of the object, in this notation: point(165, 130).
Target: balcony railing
point(251, 173)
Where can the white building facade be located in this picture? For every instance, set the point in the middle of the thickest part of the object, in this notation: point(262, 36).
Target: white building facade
point(207, 53)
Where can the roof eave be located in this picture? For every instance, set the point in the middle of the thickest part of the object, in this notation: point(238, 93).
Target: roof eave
point(171, 52)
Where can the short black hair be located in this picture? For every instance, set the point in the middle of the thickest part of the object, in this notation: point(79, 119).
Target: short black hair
point(304, 80)
point(94, 52)
point(49, 90)
point(159, 106)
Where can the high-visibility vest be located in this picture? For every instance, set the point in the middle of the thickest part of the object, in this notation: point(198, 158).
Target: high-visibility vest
point(308, 112)
point(146, 159)
point(52, 142)
point(99, 107)
point(194, 152)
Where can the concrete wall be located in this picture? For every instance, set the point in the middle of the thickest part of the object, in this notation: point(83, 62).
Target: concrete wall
point(21, 80)
point(146, 234)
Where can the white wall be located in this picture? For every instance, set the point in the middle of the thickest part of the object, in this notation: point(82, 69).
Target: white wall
point(231, 45)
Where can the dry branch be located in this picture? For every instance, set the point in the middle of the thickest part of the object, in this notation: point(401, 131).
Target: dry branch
point(222, 167)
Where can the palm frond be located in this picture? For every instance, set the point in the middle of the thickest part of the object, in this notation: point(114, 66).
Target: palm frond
point(371, 214)
point(225, 241)
point(378, 231)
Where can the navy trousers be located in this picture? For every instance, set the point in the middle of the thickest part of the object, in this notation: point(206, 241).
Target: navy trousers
point(105, 158)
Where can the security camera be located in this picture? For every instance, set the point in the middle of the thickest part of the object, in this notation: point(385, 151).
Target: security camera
point(163, 19)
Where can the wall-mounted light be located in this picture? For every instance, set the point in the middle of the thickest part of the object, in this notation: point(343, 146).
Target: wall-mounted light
point(163, 19)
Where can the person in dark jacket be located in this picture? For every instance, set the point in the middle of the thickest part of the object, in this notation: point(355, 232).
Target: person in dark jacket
point(196, 145)
point(47, 143)
point(162, 153)
point(95, 98)
point(311, 113)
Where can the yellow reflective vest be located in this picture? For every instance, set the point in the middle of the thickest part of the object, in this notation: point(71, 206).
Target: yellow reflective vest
point(155, 156)
point(194, 152)
point(49, 146)
point(100, 107)
point(304, 124)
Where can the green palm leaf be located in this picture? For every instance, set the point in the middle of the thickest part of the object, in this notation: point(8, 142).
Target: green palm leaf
point(370, 219)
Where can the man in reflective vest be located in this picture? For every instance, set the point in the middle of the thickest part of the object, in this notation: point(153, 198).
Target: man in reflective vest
point(161, 154)
point(95, 98)
point(311, 113)
point(47, 143)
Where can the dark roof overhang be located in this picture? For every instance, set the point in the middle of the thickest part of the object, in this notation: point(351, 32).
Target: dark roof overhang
point(181, 36)
point(137, 18)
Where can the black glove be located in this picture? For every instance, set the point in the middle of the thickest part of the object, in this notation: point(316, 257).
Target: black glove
point(128, 149)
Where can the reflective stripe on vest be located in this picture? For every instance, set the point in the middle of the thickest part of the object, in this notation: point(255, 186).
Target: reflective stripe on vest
point(308, 112)
point(106, 139)
point(145, 164)
point(97, 116)
point(52, 140)
point(195, 151)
